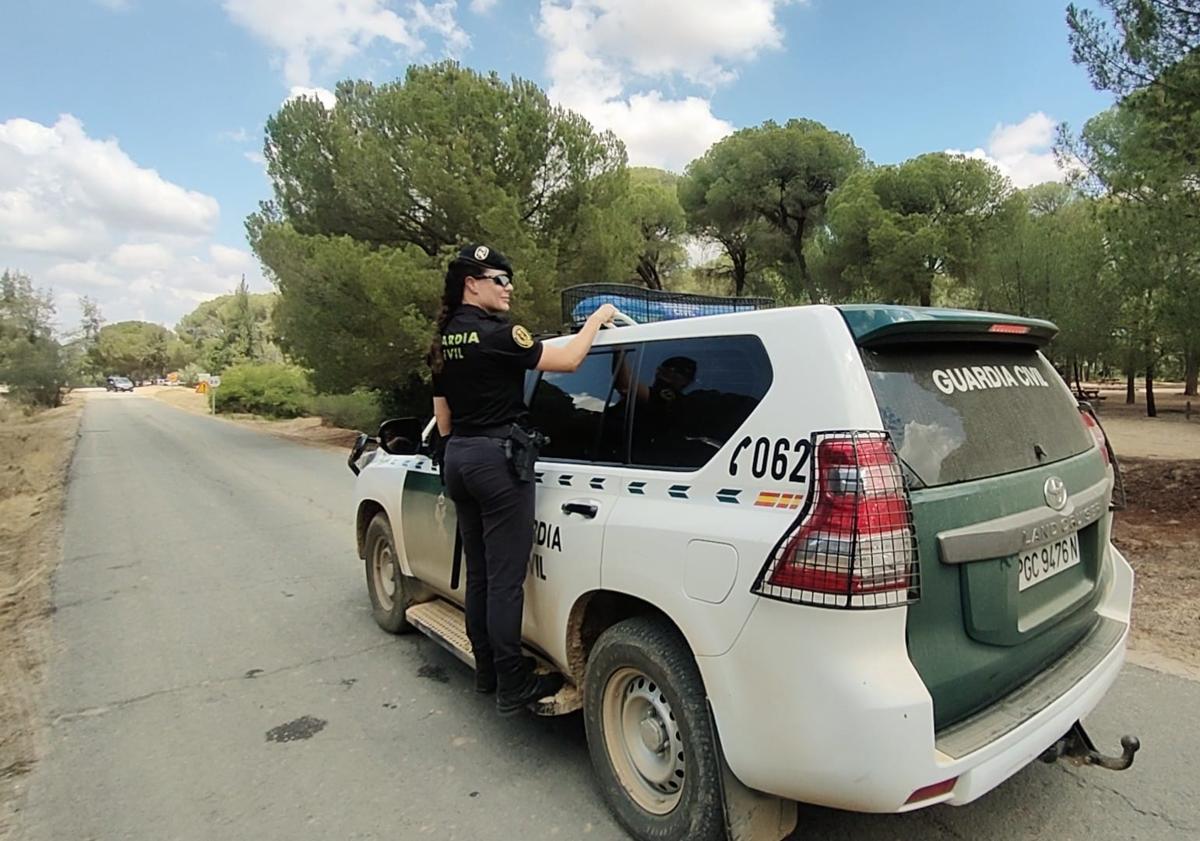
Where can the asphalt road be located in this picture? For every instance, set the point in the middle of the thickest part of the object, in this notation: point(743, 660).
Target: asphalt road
point(218, 676)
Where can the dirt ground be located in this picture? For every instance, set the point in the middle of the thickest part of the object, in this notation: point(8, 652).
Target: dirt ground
point(1159, 531)
point(34, 456)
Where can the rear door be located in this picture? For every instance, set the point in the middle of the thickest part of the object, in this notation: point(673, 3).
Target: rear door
point(584, 413)
point(1010, 504)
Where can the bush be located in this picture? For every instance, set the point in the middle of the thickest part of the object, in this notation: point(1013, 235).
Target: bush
point(34, 370)
point(360, 410)
point(275, 390)
point(189, 374)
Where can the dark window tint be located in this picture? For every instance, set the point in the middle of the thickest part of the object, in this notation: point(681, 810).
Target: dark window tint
point(692, 395)
point(582, 412)
point(962, 413)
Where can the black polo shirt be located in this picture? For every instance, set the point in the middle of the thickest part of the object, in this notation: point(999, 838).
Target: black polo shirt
point(483, 373)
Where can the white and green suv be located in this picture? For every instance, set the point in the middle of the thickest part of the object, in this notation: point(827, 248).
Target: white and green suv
point(850, 556)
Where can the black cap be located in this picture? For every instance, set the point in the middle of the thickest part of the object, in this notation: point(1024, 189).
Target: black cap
point(485, 257)
point(683, 364)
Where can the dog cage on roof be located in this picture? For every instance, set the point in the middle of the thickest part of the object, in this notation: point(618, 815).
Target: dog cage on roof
point(649, 305)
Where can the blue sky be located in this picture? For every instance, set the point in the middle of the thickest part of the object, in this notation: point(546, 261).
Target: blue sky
point(131, 130)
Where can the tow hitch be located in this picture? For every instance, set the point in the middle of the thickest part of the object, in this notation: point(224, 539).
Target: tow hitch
point(1077, 747)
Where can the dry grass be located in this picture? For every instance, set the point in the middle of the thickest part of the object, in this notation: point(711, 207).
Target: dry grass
point(306, 430)
point(35, 451)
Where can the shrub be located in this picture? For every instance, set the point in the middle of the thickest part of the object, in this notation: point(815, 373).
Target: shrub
point(34, 369)
point(272, 389)
point(359, 410)
point(189, 374)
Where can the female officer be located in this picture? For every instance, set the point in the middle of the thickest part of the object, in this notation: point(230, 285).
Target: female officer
point(479, 362)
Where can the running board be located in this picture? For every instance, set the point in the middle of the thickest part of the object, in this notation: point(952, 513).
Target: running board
point(446, 625)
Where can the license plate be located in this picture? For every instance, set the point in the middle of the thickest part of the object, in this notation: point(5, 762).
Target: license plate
point(1047, 561)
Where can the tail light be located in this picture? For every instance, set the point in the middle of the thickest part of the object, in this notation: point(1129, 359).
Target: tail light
point(854, 544)
point(1117, 499)
point(1093, 426)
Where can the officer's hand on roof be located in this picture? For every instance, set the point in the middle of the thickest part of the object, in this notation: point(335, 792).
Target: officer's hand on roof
point(605, 313)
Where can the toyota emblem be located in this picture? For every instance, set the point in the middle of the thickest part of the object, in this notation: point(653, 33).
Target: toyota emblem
point(1055, 491)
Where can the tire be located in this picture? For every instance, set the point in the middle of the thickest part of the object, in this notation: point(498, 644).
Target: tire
point(649, 734)
point(386, 584)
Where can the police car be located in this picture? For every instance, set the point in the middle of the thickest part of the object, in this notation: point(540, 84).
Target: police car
point(855, 556)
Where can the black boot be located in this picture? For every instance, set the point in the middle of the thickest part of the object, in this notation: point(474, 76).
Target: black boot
point(485, 675)
point(485, 679)
point(516, 695)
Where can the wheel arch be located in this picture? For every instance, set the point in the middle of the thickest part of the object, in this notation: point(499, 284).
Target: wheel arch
point(595, 612)
point(367, 509)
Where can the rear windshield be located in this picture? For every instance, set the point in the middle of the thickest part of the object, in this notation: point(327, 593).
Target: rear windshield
point(961, 413)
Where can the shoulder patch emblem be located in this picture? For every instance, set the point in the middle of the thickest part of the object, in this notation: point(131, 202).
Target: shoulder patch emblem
point(481, 253)
point(521, 337)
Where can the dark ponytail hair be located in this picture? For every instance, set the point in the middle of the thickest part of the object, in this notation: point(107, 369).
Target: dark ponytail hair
point(452, 294)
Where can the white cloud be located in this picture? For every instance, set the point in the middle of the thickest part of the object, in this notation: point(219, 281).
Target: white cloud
point(482, 7)
point(80, 273)
point(144, 256)
point(329, 32)
point(255, 158)
point(666, 133)
point(239, 135)
point(79, 215)
point(323, 95)
point(605, 55)
point(1022, 151)
point(231, 259)
point(62, 192)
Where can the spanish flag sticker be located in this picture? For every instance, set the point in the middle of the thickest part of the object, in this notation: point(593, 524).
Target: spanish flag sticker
point(521, 337)
point(775, 499)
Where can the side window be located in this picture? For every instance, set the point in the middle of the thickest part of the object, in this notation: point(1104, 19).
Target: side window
point(692, 395)
point(583, 412)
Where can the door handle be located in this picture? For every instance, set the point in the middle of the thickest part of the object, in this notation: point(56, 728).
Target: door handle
point(587, 509)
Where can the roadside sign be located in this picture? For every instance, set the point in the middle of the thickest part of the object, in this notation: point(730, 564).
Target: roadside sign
point(212, 384)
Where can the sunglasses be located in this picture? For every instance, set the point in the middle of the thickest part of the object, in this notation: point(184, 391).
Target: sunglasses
point(501, 280)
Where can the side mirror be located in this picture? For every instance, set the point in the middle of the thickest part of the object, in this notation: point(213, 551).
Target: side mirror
point(400, 436)
point(360, 444)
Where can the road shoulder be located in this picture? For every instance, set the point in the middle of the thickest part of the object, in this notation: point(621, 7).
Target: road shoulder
point(36, 455)
point(311, 430)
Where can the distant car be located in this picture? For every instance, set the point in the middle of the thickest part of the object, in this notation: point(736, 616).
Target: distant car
point(119, 384)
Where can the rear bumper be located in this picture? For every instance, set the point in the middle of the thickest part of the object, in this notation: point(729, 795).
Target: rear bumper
point(842, 718)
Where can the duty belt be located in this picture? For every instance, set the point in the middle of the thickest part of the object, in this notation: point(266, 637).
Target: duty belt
point(503, 430)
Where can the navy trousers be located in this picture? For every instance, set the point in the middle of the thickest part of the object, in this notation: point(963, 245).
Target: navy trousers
point(495, 517)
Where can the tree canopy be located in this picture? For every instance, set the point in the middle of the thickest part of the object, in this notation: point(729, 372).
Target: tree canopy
point(780, 174)
point(32, 363)
point(896, 228)
point(135, 349)
point(373, 196)
point(229, 330)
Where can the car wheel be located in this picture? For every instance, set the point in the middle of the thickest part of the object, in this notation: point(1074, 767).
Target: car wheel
point(649, 734)
point(385, 581)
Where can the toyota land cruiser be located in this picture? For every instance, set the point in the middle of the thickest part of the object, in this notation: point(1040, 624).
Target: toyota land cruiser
point(854, 556)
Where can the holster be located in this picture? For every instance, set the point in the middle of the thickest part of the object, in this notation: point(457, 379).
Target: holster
point(522, 448)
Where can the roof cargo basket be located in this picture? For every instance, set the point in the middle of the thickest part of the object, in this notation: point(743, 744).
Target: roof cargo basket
point(648, 305)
